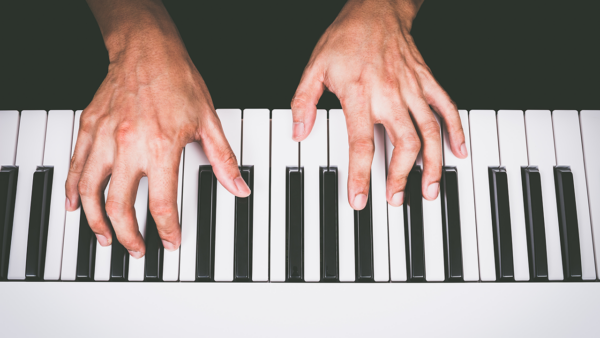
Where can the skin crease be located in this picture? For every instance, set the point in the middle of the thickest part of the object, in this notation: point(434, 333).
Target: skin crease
point(368, 58)
point(153, 102)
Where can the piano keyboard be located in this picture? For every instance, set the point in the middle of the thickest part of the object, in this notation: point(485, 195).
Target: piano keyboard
point(524, 206)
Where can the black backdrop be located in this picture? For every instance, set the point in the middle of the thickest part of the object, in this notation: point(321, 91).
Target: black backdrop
point(486, 54)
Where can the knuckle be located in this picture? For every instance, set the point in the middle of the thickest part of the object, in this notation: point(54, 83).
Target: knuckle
point(161, 208)
point(430, 130)
point(85, 187)
point(228, 158)
point(125, 132)
point(410, 144)
point(115, 210)
point(363, 146)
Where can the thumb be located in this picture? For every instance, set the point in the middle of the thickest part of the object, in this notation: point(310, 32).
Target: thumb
point(304, 102)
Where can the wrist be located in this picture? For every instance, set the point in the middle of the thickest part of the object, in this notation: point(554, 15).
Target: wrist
point(404, 11)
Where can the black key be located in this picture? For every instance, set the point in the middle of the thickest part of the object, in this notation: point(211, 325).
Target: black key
point(119, 261)
point(8, 191)
point(567, 221)
point(39, 215)
point(294, 234)
point(207, 208)
point(329, 224)
point(413, 227)
point(242, 254)
point(86, 250)
point(153, 263)
point(534, 224)
point(501, 227)
point(363, 243)
point(451, 226)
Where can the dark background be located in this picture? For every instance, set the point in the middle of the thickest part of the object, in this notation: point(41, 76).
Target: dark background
point(486, 54)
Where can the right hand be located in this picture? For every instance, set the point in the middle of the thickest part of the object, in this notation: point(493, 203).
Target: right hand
point(151, 104)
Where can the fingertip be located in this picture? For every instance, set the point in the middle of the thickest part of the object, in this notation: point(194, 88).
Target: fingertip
point(359, 202)
point(298, 131)
point(432, 191)
point(242, 188)
point(136, 254)
point(397, 199)
point(170, 246)
point(103, 241)
point(463, 151)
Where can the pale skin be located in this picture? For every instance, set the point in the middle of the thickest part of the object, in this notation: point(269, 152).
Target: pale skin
point(154, 101)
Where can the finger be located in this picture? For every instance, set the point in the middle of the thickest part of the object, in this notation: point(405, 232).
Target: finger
point(80, 155)
point(440, 101)
point(92, 183)
point(162, 184)
point(429, 130)
point(304, 102)
point(360, 139)
point(223, 160)
point(120, 206)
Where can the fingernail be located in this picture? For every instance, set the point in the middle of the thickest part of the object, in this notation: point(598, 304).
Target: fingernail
point(432, 190)
point(102, 240)
point(168, 245)
point(360, 201)
point(241, 186)
point(67, 204)
point(298, 130)
point(397, 199)
point(463, 149)
point(135, 254)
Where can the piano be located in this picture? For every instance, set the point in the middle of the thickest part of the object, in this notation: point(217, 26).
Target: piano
point(507, 248)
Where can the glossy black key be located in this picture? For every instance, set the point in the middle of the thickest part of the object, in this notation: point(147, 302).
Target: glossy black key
point(451, 226)
point(242, 254)
point(534, 224)
point(153, 263)
point(8, 191)
point(567, 222)
point(207, 208)
point(294, 229)
point(119, 261)
point(86, 250)
point(413, 227)
point(329, 224)
point(363, 243)
point(39, 214)
point(501, 227)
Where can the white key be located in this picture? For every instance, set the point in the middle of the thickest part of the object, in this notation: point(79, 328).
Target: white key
point(30, 155)
point(171, 258)
point(396, 229)
point(103, 255)
point(256, 151)
point(71, 239)
point(136, 265)
point(57, 153)
point(338, 156)
point(569, 151)
point(466, 200)
point(513, 155)
point(9, 131)
point(590, 125)
point(381, 265)
point(194, 157)
point(313, 155)
point(284, 153)
point(231, 120)
point(484, 148)
point(433, 235)
point(540, 147)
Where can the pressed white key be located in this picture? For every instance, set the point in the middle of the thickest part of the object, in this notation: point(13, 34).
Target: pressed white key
point(338, 156)
point(381, 264)
point(256, 152)
point(71, 239)
point(313, 155)
point(466, 201)
point(396, 229)
point(194, 158)
point(540, 147)
point(284, 153)
point(433, 235)
point(590, 137)
point(569, 152)
point(57, 153)
point(484, 148)
point(231, 120)
point(171, 258)
point(9, 131)
point(136, 265)
point(103, 255)
point(30, 153)
point(513, 155)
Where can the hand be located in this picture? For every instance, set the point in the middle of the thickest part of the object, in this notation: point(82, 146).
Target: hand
point(368, 58)
point(151, 104)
